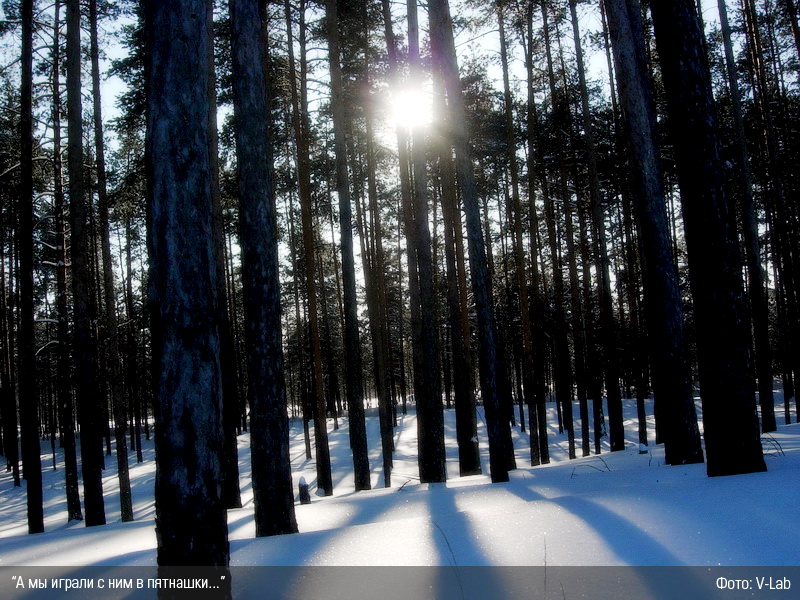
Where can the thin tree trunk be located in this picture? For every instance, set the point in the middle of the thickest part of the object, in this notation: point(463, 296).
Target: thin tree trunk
point(63, 384)
point(7, 380)
point(528, 359)
point(638, 359)
point(228, 358)
point(84, 347)
point(430, 419)
point(778, 197)
point(299, 328)
point(28, 392)
point(791, 10)
point(4, 360)
point(324, 481)
point(131, 350)
point(592, 387)
point(608, 325)
point(466, 419)
point(537, 412)
point(563, 364)
point(258, 235)
point(118, 400)
point(376, 296)
point(770, 91)
point(352, 343)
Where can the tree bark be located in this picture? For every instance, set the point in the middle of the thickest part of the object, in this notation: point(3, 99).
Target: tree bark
point(791, 10)
point(28, 392)
point(540, 454)
point(374, 275)
point(466, 419)
point(430, 418)
point(258, 235)
point(63, 384)
point(784, 238)
point(84, 345)
point(8, 395)
point(131, 348)
point(190, 511)
point(563, 373)
point(231, 402)
point(608, 325)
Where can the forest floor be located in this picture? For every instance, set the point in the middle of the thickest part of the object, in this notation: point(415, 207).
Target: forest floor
point(622, 508)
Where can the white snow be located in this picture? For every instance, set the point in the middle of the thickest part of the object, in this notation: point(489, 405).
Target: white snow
point(622, 508)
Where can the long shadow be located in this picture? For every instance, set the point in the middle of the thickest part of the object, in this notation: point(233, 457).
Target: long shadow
point(463, 571)
point(289, 579)
point(363, 512)
point(633, 546)
point(629, 543)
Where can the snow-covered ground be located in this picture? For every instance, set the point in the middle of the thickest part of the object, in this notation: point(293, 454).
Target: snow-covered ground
point(624, 508)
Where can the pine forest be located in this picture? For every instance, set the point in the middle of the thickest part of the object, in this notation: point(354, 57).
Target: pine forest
point(221, 219)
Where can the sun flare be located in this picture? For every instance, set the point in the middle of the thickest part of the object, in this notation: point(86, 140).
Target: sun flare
point(412, 108)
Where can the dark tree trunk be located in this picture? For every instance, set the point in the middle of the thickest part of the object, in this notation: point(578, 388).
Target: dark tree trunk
point(729, 416)
point(405, 200)
point(663, 307)
point(28, 392)
point(8, 395)
point(299, 327)
point(190, 510)
point(785, 242)
point(791, 10)
point(63, 384)
point(231, 402)
point(563, 373)
point(759, 306)
point(444, 54)
point(352, 343)
point(131, 349)
point(637, 359)
point(466, 418)
point(374, 274)
point(84, 345)
point(777, 201)
point(430, 419)
point(537, 412)
point(258, 235)
point(118, 400)
point(385, 396)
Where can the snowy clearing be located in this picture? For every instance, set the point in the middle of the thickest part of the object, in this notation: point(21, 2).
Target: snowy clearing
point(623, 508)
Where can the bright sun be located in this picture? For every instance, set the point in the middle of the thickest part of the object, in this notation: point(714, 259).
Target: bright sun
point(412, 108)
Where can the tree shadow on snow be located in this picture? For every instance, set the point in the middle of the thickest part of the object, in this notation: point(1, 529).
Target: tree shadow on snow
point(462, 572)
point(634, 547)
